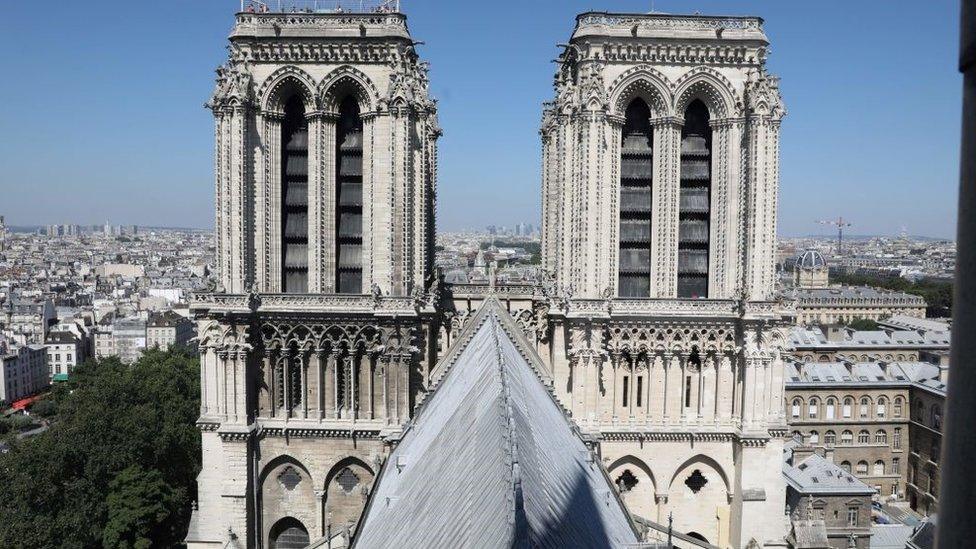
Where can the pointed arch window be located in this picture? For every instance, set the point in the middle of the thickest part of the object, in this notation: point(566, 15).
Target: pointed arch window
point(349, 198)
point(636, 174)
point(294, 197)
point(695, 202)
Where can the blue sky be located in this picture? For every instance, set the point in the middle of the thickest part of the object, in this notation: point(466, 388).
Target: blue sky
point(101, 107)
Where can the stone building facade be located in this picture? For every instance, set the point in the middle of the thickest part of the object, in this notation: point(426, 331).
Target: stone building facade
point(660, 182)
point(657, 321)
point(928, 407)
point(319, 335)
point(880, 421)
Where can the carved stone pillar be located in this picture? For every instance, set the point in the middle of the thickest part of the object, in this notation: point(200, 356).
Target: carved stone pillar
point(615, 358)
point(337, 389)
point(320, 383)
point(349, 376)
point(286, 381)
point(665, 193)
point(269, 204)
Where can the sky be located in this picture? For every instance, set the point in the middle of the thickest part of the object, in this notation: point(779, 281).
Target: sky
point(102, 117)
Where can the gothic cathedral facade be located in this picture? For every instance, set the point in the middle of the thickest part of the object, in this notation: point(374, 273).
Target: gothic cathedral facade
point(660, 178)
point(315, 343)
point(656, 316)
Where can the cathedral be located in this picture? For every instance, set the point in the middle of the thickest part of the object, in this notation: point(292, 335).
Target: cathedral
point(633, 396)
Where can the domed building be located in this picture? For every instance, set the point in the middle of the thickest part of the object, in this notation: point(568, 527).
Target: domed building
point(810, 270)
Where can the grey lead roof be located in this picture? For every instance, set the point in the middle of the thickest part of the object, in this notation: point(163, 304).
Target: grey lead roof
point(491, 460)
point(816, 475)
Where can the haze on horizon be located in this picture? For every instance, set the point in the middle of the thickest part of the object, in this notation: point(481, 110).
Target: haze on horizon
point(103, 118)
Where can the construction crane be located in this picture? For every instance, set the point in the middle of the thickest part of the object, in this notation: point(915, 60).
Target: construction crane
point(840, 223)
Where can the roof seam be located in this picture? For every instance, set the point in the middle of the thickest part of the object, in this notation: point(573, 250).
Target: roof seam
point(512, 446)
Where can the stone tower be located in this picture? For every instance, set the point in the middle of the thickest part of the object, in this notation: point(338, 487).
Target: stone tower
point(320, 332)
point(660, 177)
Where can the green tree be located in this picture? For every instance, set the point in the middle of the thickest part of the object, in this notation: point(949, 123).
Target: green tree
point(113, 421)
point(865, 324)
point(139, 503)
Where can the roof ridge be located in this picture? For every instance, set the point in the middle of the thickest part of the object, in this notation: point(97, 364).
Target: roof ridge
point(517, 509)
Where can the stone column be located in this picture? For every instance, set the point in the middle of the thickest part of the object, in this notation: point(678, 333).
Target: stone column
point(270, 249)
point(665, 196)
point(615, 357)
point(336, 385)
point(385, 375)
point(656, 393)
point(349, 399)
point(320, 376)
point(286, 381)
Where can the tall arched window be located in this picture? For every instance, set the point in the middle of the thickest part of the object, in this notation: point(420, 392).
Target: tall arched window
point(349, 198)
point(294, 197)
point(695, 206)
point(636, 174)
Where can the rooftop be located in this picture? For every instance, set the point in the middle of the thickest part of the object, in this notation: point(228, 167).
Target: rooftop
point(816, 475)
point(670, 26)
point(309, 19)
point(491, 460)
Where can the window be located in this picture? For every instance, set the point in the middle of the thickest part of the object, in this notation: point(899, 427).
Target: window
point(687, 391)
point(912, 472)
point(798, 436)
point(865, 407)
point(846, 466)
point(852, 516)
point(626, 389)
point(797, 404)
point(879, 468)
point(626, 481)
point(936, 417)
point(695, 202)
point(898, 406)
point(349, 198)
point(831, 404)
point(863, 437)
point(919, 411)
point(882, 408)
point(881, 437)
point(894, 488)
point(640, 390)
point(294, 197)
point(895, 466)
point(848, 404)
point(830, 437)
point(847, 437)
point(896, 439)
point(935, 451)
point(862, 467)
point(814, 404)
point(636, 178)
point(814, 437)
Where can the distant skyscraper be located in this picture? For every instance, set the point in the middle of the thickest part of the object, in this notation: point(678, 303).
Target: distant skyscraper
point(3, 234)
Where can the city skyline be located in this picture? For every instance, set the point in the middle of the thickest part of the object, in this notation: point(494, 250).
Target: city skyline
point(853, 149)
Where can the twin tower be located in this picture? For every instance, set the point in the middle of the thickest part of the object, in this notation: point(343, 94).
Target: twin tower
point(655, 316)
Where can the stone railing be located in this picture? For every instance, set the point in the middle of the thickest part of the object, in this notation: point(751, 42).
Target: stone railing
point(655, 21)
point(500, 290)
point(303, 303)
point(274, 23)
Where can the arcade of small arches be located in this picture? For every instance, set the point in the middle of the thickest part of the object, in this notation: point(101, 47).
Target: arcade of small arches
point(297, 504)
point(336, 372)
point(845, 407)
